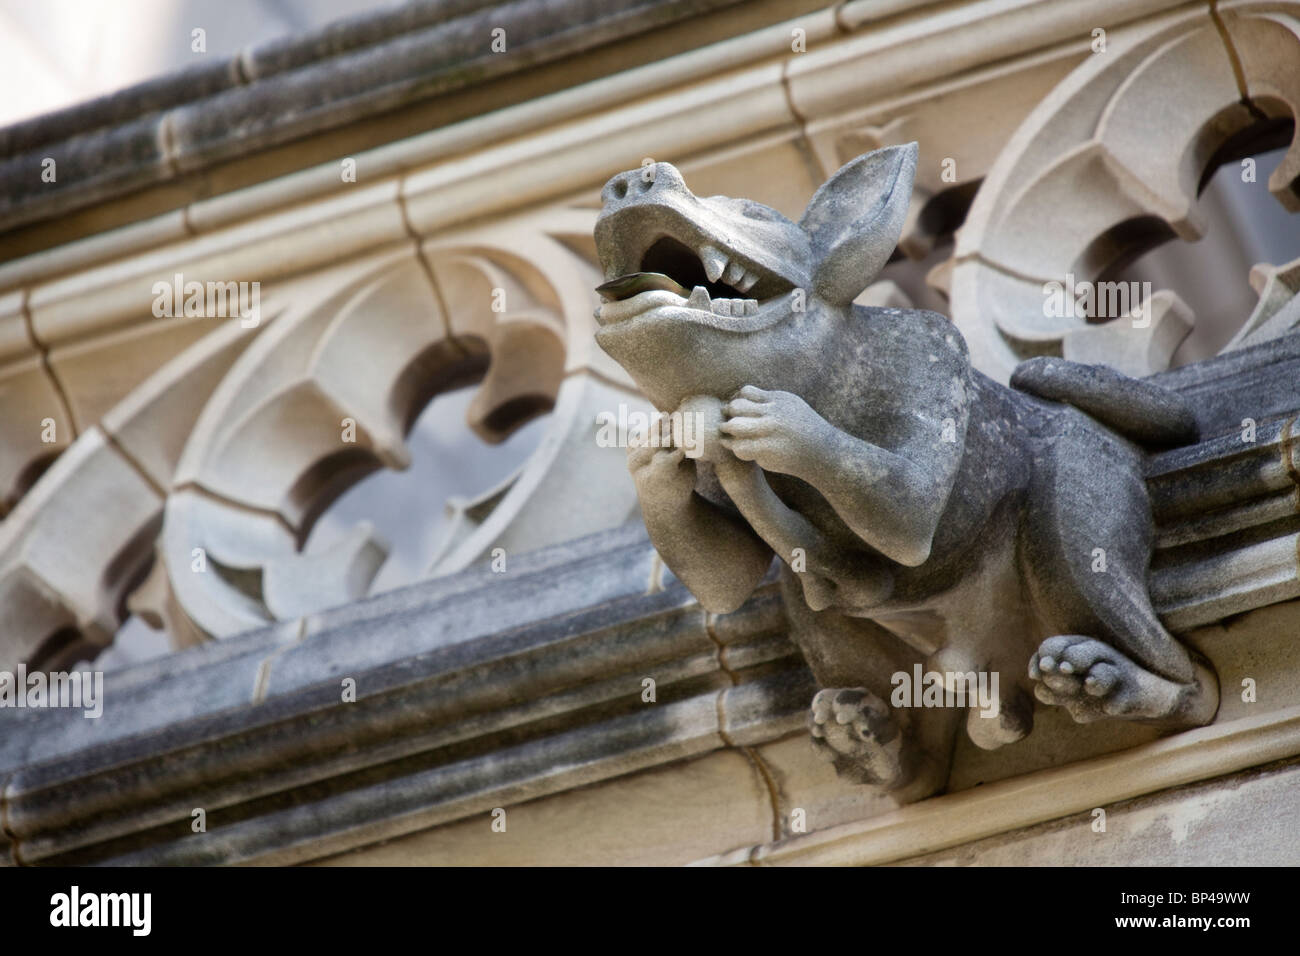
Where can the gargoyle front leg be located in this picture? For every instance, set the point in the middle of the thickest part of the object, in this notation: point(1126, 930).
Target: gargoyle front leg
point(713, 553)
point(889, 501)
point(829, 577)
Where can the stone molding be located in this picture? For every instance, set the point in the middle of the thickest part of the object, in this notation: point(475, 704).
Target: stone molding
point(694, 94)
point(948, 821)
point(284, 89)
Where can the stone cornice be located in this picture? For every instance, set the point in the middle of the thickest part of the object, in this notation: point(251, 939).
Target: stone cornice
point(708, 98)
point(454, 706)
point(284, 89)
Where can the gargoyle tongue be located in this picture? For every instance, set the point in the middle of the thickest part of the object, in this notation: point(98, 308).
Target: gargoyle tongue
point(634, 283)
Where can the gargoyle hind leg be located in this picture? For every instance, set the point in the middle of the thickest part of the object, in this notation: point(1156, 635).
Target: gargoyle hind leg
point(1086, 548)
point(905, 753)
point(868, 743)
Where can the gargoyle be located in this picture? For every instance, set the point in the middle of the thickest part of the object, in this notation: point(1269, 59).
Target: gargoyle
point(923, 512)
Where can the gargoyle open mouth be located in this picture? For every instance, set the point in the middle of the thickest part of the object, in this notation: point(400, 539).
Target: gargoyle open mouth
point(708, 279)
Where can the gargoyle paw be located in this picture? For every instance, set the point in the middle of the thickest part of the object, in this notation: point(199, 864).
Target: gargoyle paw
point(1093, 680)
point(854, 729)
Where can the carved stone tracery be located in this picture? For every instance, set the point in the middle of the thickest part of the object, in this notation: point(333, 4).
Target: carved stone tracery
point(232, 484)
point(1114, 159)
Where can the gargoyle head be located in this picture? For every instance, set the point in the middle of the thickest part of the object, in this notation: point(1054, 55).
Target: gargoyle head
point(706, 295)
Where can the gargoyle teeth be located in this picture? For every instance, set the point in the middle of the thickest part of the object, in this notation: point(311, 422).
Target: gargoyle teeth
point(746, 282)
point(735, 271)
point(714, 262)
point(699, 299)
point(734, 308)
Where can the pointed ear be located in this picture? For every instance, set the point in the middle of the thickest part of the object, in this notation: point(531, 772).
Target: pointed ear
point(855, 218)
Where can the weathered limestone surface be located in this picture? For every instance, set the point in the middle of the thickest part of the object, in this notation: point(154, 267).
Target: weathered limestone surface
point(1247, 819)
point(651, 818)
point(241, 439)
point(451, 700)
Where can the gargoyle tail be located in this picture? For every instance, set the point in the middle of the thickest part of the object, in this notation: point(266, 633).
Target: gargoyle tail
point(1141, 411)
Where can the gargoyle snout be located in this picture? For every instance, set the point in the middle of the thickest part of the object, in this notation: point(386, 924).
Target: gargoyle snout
point(648, 182)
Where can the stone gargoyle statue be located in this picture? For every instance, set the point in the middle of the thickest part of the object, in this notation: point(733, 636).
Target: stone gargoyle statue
point(923, 513)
